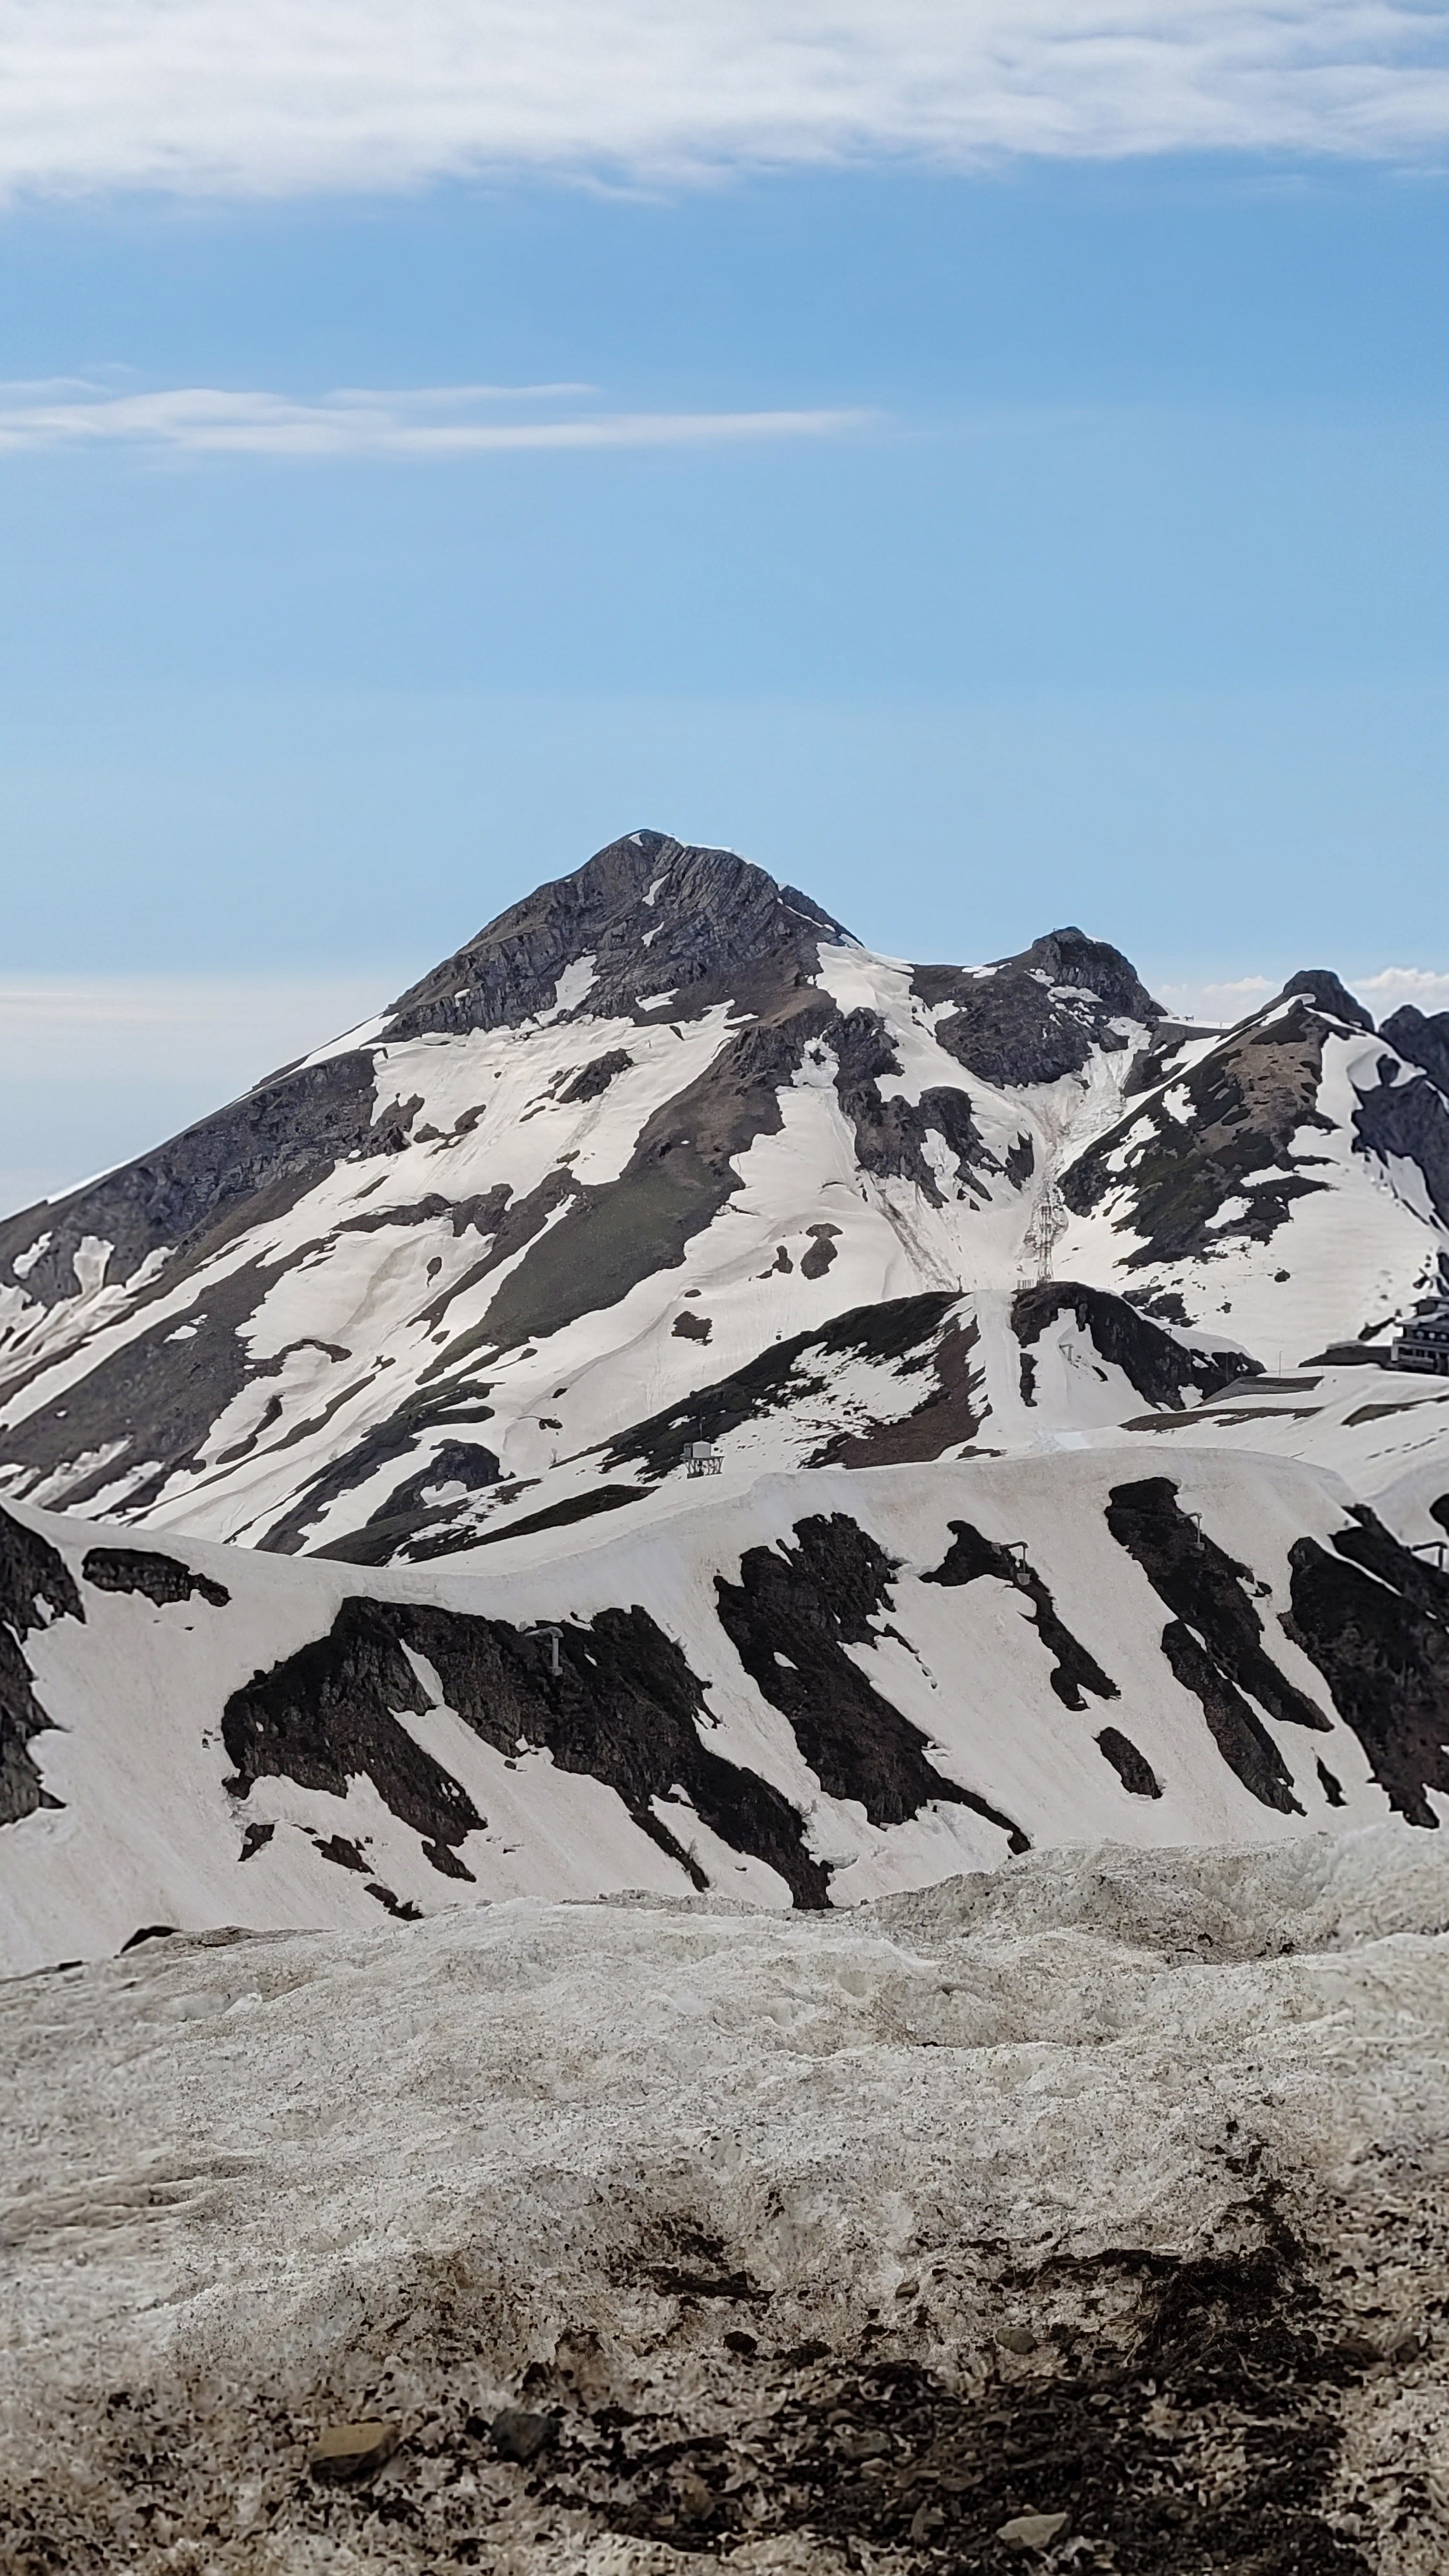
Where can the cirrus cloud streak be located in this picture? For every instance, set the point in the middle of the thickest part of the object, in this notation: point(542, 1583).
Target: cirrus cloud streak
point(289, 96)
point(433, 423)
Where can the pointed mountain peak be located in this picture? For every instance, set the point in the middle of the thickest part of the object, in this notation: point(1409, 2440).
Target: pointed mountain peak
point(645, 918)
point(1070, 958)
point(1321, 987)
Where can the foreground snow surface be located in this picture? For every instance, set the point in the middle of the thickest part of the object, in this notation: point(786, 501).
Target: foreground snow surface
point(1111, 2184)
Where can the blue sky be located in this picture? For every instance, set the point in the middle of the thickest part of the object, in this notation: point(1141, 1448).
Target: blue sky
point(980, 537)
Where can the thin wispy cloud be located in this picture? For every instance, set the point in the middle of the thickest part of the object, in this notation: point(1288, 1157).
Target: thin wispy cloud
point(285, 96)
point(434, 422)
point(1385, 990)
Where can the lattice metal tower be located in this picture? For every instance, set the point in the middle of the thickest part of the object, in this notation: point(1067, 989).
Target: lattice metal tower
point(1048, 1225)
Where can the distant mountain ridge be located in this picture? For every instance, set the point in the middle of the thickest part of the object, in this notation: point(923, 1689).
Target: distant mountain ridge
point(664, 1129)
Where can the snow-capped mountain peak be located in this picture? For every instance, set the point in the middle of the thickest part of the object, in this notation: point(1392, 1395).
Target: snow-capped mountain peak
point(665, 1137)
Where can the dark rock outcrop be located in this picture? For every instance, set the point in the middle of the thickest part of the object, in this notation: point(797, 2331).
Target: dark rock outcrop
point(1155, 1362)
point(1037, 1016)
point(901, 1332)
point(1422, 1041)
point(1410, 1119)
point(789, 1619)
point(161, 1578)
point(1074, 1670)
point(1214, 1641)
point(1132, 1768)
point(1245, 1103)
point(1375, 1620)
point(1325, 991)
point(712, 917)
point(35, 1587)
point(623, 1708)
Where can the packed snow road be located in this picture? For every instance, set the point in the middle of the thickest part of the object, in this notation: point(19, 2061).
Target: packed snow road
point(1099, 2202)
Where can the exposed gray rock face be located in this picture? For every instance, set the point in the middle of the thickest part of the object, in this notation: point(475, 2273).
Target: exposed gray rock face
point(1325, 990)
point(1248, 1104)
point(1037, 1016)
point(1425, 1041)
point(713, 915)
point(35, 1587)
point(246, 1164)
point(1157, 1363)
point(1410, 1120)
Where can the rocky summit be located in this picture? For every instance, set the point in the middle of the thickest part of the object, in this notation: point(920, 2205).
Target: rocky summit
point(665, 1154)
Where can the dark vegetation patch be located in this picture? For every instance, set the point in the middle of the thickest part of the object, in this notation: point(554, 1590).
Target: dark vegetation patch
point(1132, 1768)
point(899, 1331)
point(971, 1557)
point(1214, 1641)
point(35, 1586)
point(161, 1578)
point(623, 1708)
point(1375, 1620)
point(789, 1618)
point(1154, 1362)
point(1247, 1100)
point(597, 1075)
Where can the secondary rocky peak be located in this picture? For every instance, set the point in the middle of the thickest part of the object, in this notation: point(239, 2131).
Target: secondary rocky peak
point(1321, 987)
point(1073, 960)
point(1037, 1016)
point(645, 919)
point(1423, 1040)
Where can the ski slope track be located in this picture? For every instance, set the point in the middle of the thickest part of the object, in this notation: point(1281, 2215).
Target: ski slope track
point(665, 1153)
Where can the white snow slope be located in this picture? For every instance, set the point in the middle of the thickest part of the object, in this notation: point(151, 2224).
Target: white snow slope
point(647, 1130)
point(812, 1688)
point(1110, 2190)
